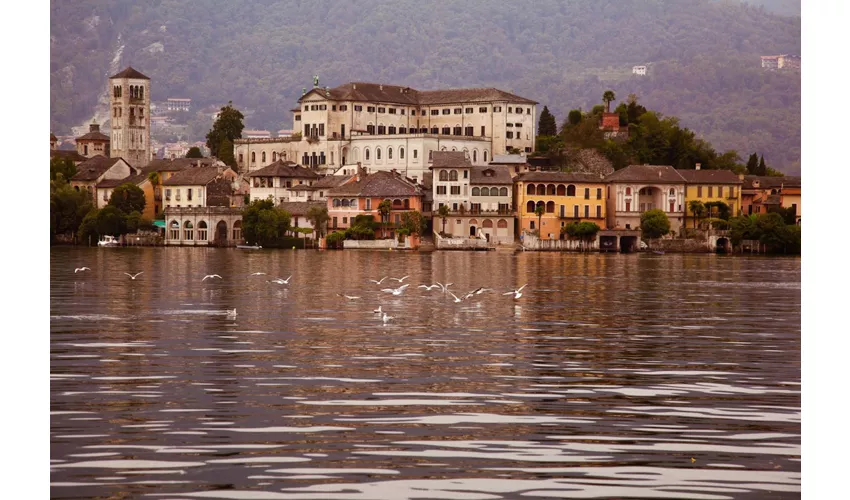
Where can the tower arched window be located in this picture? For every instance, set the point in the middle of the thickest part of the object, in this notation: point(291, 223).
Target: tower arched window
point(253, 157)
point(264, 157)
point(274, 156)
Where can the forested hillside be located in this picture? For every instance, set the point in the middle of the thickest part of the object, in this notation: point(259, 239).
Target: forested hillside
point(703, 56)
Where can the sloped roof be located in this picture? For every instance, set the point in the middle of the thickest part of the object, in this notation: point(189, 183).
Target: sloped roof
point(328, 181)
point(130, 72)
point(175, 165)
point(378, 184)
point(133, 179)
point(664, 174)
point(300, 207)
point(450, 159)
point(377, 92)
point(64, 153)
point(193, 176)
point(771, 182)
point(93, 136)
point(491, 175)
point(52, 137)
point(93, 168)
point(554, 176)
point(282, 168)
point(709, 176)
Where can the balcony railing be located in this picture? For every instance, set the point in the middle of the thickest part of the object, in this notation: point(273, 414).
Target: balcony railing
point(471, 211)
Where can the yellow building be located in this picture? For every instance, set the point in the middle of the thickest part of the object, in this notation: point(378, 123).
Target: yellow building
point(711, 186)
point(565, 197)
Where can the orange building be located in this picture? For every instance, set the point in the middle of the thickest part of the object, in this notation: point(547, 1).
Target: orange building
point(365, 192)
point(760, 192)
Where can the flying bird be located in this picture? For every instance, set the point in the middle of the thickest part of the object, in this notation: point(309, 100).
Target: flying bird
point(281, 281)
point(378, 310)
point(401, 279)
point(211, 276)
point(133, 276)
point(455, 296)
point(257, 274)
point(516, 293)
point(395, 291)
point(349, 297)
point(378, 282)
point(429, 287)
point(81, 269)
point(386, 318)
point(231, 312)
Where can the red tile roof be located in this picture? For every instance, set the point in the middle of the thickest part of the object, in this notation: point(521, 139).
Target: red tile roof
point(379, 184)
point(396, 94)
point(129, 72)
point(663, 174)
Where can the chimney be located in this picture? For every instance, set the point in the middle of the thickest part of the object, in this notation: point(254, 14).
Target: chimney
point(698, 166)
point(381, 86)
point(360, 171)
point(353, 86)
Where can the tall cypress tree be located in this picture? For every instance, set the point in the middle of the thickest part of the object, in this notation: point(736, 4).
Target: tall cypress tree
point(753, 164)
point(762, 169)
point(546, 125)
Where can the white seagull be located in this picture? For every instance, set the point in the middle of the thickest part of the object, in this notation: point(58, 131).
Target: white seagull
point(378, 282)
point(386, 318)
point(349, 297)
point(378, 310)
point(516, 293)
point(281, 281)
point(211, 276)
point(231, 313)
point(81, 269)
point(445, 287)
point(395, 291)
point(400, 280)
point(133, 276)
point(429, 287)
point(257, 274)
point(455, 296)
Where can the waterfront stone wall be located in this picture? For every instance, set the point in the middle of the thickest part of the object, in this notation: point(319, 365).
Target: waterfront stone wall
point(461, 243)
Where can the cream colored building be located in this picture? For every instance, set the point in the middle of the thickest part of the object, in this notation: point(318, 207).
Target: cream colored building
point(638, 188)
point(282, 182)
point(130, 104)
point(200, 187)
point(389, 127)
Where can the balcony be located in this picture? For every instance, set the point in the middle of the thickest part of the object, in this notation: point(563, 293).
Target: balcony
point(479, 212)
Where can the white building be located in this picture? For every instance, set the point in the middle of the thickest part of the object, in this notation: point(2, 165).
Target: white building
point(200, 187)
point(387, 127)
point(639, 70)
point(283, 182)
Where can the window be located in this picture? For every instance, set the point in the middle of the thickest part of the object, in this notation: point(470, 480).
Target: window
point(447, 111)
point(370, 109)
point(598, 193)
point(509, 134)
point(345, 220)
point(343, 107)
point(699, 192)
point(455, 190)
point(382, 110)
point(457, 131)
point(435, 112)
point(306, 108)
point(358, 107)
point(466, 174)
point(550, 207)
point(710, 191)
point(528, 111)
point(264, 157)
point(400, 153)
point(391, 130)
point(403, 130)
point(586, 211)
point(476, 191)
point(429, 155)
point(415, 153)
point(509, 125)
point(575, 211)
point(453, 175)
point(518, 125)
point(482, 109)
point(598, 211)
point(502, 191)
point(482, 132)
point(469, 110)
point(333, 108)
point(368, 203)
point(435, 130)
point(189, 194)
point(168, 195)
point(628, 209)
point(720, 191)
point(382, 129)
point(510, 109)
point(392, 111)
point(458, 111)
point(571, 190)
point(732, 191)
point(254, 157)
point(389, 153)
point(447, 131)
point(322, 129)
point(370, 129)
point(586, 193)
point(367, 154)
point(474, 156)
point(628, 191)
point(468, 131)
point(188, 231)
point(377, 153)
point(441, 189)
point(444, 175)
point(532, 225)
point(485, 155)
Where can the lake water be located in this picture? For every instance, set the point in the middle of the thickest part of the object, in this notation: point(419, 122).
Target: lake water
point(627, 376)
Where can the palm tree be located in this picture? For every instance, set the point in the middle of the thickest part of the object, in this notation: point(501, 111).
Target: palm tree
point(539, 211)
point(698, 209)
point(444, 212)
point(608, 96)
point(384, 209)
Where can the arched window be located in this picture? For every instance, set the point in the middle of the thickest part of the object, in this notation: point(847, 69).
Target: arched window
point(397, 203)
point(476, 191)
point(389, 153)
point(672, 192)
point(503, 191)
point(502, 224)
point(541, 189)
point(174, 230)
point(237, 230)
point(402, 130)
point(435, 130)
point(571, 190)
point(454, 149)
point(264, 157)
point(444, 175)
point(336, 203)
point(377, 153)
point(550, 190)
point(202, 231)
point(529, 207)
point(628, 191)
point(550, 207)
point(346, 203)
point(141, 92)
point(530, 189)
point(253, 157)
point(453, 175)
point(367, 154)
point(488, 223)
point(274, 156)
point(474, 156)
point(562, 190)
point(485, 156)
point(352, 203)
point(401, 152)
point(188, 231)
point(429, 155)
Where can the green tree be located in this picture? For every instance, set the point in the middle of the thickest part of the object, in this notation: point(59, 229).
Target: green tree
point(264, 224)
point(583, 231)
point(111, 220)
point(608, 96)
point(63, 166)
point(318, 217)
point(575, 116)
point(225, 153)
point(88, 231)
point(654, 224)
point(539, 211)
point(634, 110)
point(68, 207)
point(228, 125)
point(698, 209)
point(719, 209)
point(194, 152)
point(135, 223)
point(743, 228)
point(128, 197)
point(753, 164)
point(443, 212)
point(546, 125)
point(384, 209)
point(762, 168)
point(335, 239)
point(413, 222)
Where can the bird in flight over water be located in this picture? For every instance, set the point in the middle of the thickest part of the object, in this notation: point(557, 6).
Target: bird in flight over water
point(133, 276)
point(516, 293)
point(81, 269)
point(211, 276)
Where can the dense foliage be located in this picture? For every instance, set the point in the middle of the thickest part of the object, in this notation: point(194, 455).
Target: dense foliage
point(654, 223)
point(227, 127)
point(194, 152)
point(318, 217)
point(68, 207)
point(128, 198)
point(769, 229)
point(264, 224)
point(362, 228)
point(702, 57)
point(412, 223)
point(63, 166)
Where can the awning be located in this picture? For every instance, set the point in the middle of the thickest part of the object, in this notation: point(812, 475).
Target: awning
point(159, 223)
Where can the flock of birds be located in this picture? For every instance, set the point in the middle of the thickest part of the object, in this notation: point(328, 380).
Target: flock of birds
point(444, 288)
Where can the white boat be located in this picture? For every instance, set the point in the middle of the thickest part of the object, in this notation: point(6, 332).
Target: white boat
point(108, 241)
point(249, 247)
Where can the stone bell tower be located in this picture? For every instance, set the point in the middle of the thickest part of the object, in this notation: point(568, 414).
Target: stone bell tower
point(130, 104)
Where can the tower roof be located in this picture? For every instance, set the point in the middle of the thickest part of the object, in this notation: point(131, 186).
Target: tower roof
point(129, 72)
